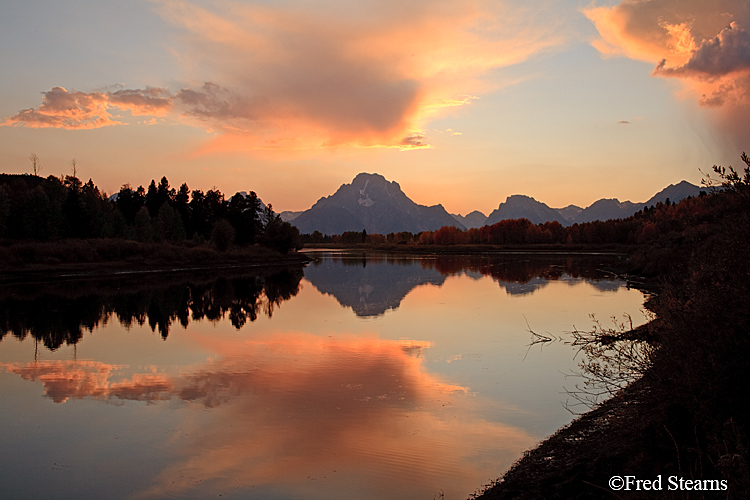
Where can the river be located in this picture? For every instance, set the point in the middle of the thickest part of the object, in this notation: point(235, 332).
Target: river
point(365, 376)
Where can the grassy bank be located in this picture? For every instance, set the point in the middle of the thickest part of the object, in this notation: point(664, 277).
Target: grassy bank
point(104, 256)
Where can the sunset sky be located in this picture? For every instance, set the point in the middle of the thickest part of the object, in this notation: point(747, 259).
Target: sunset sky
point(461, 102)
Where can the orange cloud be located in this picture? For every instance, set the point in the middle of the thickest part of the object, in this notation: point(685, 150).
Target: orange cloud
point(317, 74)
point(68, 110)
point(149, 102)
point(704, 44)
point(79, 110)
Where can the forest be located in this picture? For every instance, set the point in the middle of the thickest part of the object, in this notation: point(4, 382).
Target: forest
point(34, 208)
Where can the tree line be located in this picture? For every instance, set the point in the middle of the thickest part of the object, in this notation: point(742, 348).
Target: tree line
point(42, 209)
point(653, 229)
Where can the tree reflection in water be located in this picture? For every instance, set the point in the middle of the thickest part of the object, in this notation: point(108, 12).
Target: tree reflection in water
point(58, 313)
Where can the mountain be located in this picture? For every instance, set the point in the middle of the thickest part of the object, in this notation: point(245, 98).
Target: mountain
point(519, 206)
point(674, 193)
point(613, 208)
point(373, 204)
point(607, 208)
point(570, 213)
point(473, 219)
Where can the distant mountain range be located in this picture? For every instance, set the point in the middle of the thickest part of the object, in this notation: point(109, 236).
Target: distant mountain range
point(373, 204)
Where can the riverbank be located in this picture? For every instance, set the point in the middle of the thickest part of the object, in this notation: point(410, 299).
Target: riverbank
point(683, 416)
point(683, 420)
point(72, 258)
point(578, 460)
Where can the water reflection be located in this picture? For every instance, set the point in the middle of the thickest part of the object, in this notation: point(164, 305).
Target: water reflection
point(308, 402)
point(370, 290)
point(325, 417)
point(59, 313)
point(373, 290)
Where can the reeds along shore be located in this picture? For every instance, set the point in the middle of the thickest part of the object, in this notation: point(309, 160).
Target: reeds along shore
point(685, 416)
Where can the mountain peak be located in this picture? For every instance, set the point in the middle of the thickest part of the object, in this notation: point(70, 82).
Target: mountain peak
point(675, 192)
point(364, 177)
point(518, 198)
point(520, 206)
point(363, 181)
point(374, 204)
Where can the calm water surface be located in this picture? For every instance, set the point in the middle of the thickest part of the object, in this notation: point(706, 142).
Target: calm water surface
point(368, 377)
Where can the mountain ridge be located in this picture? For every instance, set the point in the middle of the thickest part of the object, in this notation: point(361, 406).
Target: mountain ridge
point(373, 204)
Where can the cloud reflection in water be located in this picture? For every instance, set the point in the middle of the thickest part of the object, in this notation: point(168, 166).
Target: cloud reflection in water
point(336, 417)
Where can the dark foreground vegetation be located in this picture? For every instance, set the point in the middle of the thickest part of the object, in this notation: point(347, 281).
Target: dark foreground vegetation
point(685, 416)
point(51, 219)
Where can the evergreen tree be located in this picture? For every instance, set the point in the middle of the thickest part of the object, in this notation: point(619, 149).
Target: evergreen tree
point(130, 201)
point(164, 194)
point(152, 199)
point(198, 217)
point(36, 215)
point(169, 225)
point(4, 211)
point(73, 208)
point(181, 204)
point(144, 230)
point(242, 213)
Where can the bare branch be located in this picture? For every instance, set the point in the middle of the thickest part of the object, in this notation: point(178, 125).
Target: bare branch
point(35, 163)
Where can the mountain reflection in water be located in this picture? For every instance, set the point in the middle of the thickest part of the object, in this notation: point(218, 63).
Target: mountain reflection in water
point(373, 290)
point(369, 377)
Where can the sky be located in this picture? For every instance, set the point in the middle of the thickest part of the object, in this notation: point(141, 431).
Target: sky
point(461, 103)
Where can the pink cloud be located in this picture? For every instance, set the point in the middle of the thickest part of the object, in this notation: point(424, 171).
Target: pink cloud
point(316, 75)
point(68, 110)
point(726, 53)
point(80, 110)
point(149, 102)
point(706, 45)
